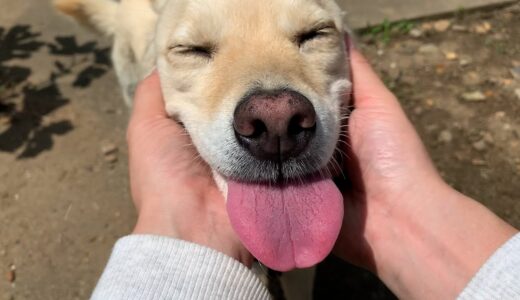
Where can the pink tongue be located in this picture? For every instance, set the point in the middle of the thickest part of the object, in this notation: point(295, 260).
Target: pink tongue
point(286, 227)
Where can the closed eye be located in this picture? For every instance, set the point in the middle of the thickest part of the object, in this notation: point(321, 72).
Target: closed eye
point(314, 33)
point(195, 50)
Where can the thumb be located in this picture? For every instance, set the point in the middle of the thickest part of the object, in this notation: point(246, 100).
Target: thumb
point(369, 90)
point(148, 100)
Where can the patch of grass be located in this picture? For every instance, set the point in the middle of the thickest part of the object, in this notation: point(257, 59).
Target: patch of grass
point(460, 13)
point(386, 30)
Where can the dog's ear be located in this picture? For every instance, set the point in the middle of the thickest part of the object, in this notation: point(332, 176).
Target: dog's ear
point(338, 13)
point(100, 15)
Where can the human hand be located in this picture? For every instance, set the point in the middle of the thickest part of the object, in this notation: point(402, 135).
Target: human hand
point(172, 187)
point(402, 221)
point(386, 162)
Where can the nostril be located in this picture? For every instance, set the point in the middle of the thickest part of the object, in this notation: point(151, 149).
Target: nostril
point(300, 123)
point(250, 129)
point(308, 121)
point(259, 128)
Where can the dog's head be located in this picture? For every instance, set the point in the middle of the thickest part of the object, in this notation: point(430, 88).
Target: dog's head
point(257, 84)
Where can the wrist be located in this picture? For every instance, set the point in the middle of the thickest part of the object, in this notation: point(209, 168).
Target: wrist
point(195, 217)
point(155, 218)
point(434, 241)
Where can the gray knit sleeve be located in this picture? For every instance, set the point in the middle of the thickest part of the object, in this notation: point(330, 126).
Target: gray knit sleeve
point(155, 267)
point(499, 277)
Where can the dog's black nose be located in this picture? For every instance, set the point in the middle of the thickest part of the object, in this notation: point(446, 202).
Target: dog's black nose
point(275, 125)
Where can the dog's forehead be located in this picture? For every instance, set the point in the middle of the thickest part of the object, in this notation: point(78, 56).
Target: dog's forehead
point(212, 20)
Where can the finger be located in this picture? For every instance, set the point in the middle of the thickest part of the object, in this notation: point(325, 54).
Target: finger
point(369, 90)
point(148, 99)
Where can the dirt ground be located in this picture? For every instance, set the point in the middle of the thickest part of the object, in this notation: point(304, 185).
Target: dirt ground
point(63, 176)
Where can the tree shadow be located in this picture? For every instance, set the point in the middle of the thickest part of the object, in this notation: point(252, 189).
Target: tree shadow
point(25, 104)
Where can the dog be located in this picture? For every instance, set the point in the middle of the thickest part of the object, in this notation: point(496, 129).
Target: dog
point(259, 87)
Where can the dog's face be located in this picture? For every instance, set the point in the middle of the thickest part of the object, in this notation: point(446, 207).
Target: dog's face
point(257, 84)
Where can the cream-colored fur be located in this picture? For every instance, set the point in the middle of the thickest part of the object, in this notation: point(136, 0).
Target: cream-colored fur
point(210, 53)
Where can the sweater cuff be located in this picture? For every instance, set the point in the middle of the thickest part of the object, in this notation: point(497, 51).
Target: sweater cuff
point(498, 277)
point(157, 267)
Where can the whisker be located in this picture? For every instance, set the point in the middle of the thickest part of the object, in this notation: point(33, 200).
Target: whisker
point(336, 163)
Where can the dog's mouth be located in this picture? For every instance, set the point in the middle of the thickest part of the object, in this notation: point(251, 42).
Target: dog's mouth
point(282, 203)
point(287, 225)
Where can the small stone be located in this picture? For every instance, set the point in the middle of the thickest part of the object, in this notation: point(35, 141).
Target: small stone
point(482, 28)
point(517, 93)
point(430, 102)
point(429, 49)
point(445, 136)
point(471, 78)
point(427, 26)
point(460, 156)
point(440, 69)
point(418, 110)
point(505, 81)
point(109, 110)
point(474, 96)
point(507, 15)
point(489, 93)
point(4, 120)
point(515, 72)
point(109, 148)
point(478, 162)
point(432, 127)
point(487, 137)
point(11, 274)
point(111, 158)
point(451, 55)
point(464, 61)
point(457, 27)
point(442, 25)
point(480, 145)
point(380, 52)
point(416, 33)
point(498, 37)
point(500, 114)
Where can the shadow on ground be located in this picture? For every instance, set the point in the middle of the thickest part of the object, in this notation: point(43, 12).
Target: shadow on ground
point(25, 104)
